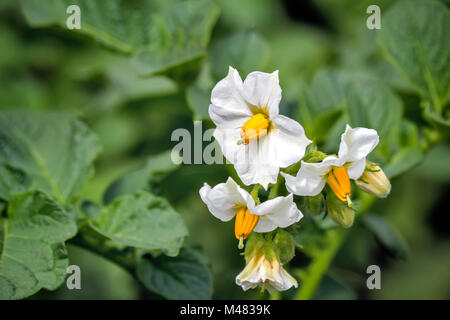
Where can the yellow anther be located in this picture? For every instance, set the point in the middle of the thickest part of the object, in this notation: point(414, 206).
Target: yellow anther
point(340, 183)
point(255, 128)
point(244, 224)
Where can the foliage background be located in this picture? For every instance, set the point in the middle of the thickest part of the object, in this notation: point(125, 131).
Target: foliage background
point(51, 68)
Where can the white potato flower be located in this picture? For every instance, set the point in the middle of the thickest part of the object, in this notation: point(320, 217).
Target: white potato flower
point(266, 272)
point(350, 163)
point(227, 200)
point(252, 134)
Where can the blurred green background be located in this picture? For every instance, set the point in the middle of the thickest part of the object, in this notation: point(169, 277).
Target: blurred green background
point(51, 68)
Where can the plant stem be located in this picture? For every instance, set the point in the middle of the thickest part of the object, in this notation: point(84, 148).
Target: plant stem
point(254, 193)
point(274, 188)
point(121, 258)
point(320, 264)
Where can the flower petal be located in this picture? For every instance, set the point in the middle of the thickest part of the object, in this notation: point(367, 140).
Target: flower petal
point(279, 212)
point(223, 199)
point(253, 166)
point(357, 143)
point(287, 141)
point(228, 141)
point(228, 105)
point(286, 281)
point(311, 179)
point(263, 90)
point(356, 169)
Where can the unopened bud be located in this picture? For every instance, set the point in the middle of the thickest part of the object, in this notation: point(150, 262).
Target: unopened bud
point(254, 243)
point(339, 211)
point(285, 245)
point(374, 181)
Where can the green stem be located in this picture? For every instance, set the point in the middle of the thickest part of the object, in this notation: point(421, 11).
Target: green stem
point(254, 193)
point(320, 264)
point(121, 258)
point(274, 188)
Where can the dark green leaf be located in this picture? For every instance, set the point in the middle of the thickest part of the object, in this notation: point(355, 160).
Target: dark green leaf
point(386, 235)
point(186, 276)
point(144, 221)
point(155, 170)
point(32, 251)
point(51, 152)
point(416, 38)
point(245, 51)
point(322, 103)
point(160, 35)
point(371, 104)
point(402, 161)
point(198, 100)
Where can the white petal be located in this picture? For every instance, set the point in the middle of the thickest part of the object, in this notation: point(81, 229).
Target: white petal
point(252, 162)
point(356, 169)
point(311, 179)
point(265, 225)
point(228, 140)
point(286, 281)
point(287, 141)
point(263, 90)
point(253, 165)
point(357, 143)
point(222, 199)
point(279, 212)
point(228, 107)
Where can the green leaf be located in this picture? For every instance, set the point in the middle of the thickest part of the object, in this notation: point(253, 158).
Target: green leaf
point(415, 37)
point(32, 251)
point(321, 103)
point(438, 121)
point(186, 276)
point(388, 237)
point(159, 35)
point(146, 178)
point(371, 104)
point(245, 51)
point(297, 50)
point(51, 152)
point(409, 153)
point(404, 160)
point(144, 221)
point(198, 100)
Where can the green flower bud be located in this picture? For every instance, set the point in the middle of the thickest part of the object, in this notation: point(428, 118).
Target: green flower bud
point(315, 204)
point(255, 242)
point(374, 181)
point(339, 211)
point(284, 245)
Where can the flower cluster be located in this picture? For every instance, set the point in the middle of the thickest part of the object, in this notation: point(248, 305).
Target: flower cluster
point(259, 142)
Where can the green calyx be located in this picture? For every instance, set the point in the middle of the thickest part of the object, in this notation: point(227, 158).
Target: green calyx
point(284, 246)
point(339, 212)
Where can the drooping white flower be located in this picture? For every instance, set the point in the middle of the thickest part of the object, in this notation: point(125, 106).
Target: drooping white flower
point(251, 132)
point(266, 272)
point(227, 200)
point(350, 163)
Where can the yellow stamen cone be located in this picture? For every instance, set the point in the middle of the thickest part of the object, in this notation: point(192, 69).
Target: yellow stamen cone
point(244, 224)
point(339, 182)
point(255, 128)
